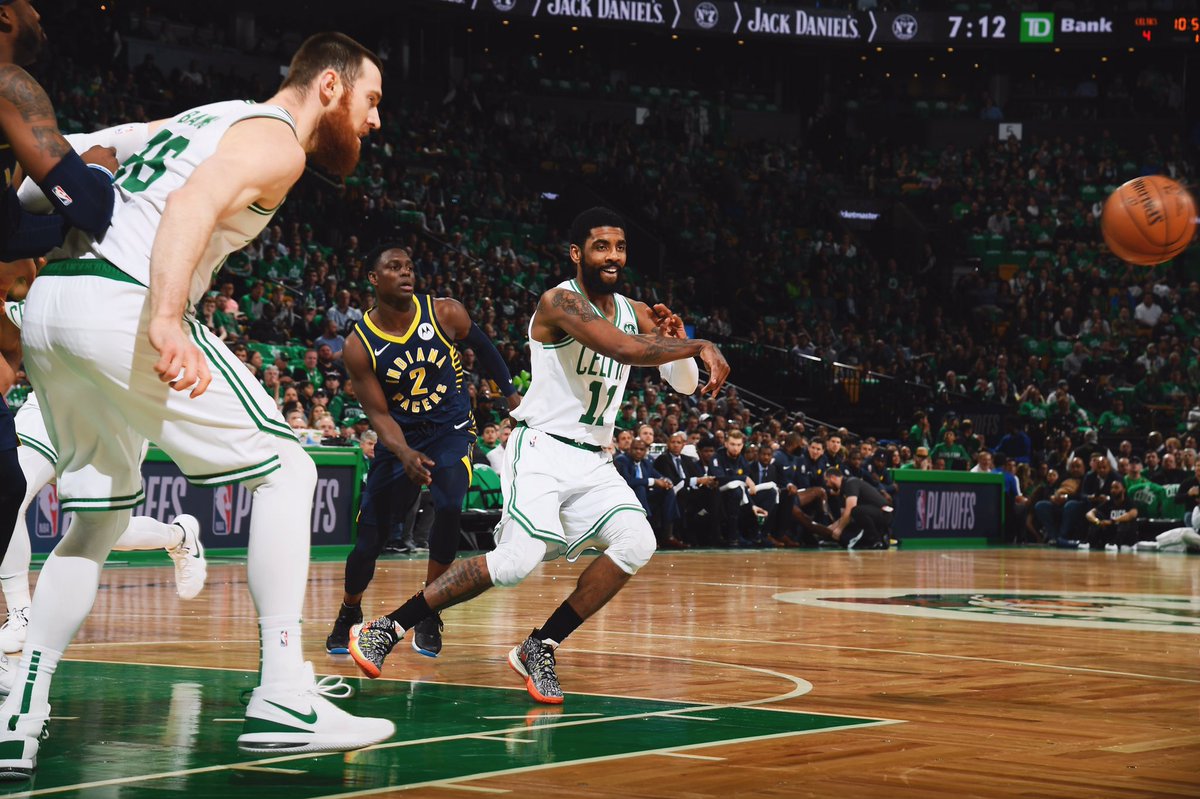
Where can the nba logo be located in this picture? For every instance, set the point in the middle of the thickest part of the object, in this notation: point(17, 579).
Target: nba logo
point(222, 518)
point(921, 509)
point(45, 513)
point(283, 638)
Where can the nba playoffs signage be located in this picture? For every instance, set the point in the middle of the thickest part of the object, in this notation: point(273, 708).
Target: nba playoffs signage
point(1167, 613)
point(746, 18)
point(224, 512)
point(947, 505)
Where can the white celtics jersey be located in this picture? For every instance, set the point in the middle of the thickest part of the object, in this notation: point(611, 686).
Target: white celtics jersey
point(164, 164)
point(575, 392)
point(15, 311)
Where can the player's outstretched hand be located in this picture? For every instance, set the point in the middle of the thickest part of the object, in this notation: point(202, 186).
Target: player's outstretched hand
point(180, 363)
point(415, 464)
point(718, 368)
point(667, 323)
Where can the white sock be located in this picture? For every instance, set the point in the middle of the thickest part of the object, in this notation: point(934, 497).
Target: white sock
point(282, 655)
point(277, 558)
point(145, 532)
point(66, 593)
point(36, 669)
point(16, 589)
point(68, 582)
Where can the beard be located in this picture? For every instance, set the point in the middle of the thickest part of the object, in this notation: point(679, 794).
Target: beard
point(28, 43)
point(337, 146)
point(594, 283)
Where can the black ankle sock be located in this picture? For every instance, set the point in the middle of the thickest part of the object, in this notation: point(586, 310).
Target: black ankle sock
point(412, 611)
point(560, 624)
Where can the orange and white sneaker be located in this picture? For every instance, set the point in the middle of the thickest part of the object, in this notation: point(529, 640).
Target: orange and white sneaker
point(533, 659)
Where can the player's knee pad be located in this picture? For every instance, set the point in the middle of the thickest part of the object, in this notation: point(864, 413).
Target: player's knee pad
point(630, 541)
point(514, 558)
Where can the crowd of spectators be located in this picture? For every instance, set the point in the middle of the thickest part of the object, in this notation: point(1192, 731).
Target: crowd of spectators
point(1047, 324)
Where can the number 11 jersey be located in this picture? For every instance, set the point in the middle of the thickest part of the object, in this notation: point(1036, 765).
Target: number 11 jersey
point(575, 392)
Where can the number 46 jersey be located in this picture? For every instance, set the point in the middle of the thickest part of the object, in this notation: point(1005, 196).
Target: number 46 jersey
point(166, 162)
point(576, 392)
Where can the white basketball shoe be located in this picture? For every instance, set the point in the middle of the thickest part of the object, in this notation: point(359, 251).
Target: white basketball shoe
point(191, 569)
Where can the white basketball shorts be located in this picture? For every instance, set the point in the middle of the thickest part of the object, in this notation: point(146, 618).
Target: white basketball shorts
point(90, 360)
point(561, 493)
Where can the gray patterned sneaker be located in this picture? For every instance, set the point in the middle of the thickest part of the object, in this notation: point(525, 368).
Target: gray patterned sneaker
point(534, 661)
point(427, 636)
point(371, 643)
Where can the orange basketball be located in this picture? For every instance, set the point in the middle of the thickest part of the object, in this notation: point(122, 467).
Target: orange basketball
point(1148, 220)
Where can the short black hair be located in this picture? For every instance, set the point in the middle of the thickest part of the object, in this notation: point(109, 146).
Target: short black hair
point(328, 50)
point(592, 218)
point(376, 255)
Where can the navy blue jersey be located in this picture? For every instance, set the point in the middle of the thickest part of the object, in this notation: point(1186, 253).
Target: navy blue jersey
point(420, 371)
point(8, 427)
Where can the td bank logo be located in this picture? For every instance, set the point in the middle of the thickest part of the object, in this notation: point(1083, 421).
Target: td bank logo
point(1037, 28)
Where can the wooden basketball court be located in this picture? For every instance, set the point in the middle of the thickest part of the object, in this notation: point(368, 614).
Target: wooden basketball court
point(989, 672)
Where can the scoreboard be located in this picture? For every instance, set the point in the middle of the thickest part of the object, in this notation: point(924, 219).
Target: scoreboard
point(749, 19)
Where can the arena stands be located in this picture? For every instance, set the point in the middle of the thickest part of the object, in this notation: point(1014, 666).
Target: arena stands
point(856, 279)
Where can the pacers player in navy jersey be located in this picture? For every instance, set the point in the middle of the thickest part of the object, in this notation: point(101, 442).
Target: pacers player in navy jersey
point(407, 372)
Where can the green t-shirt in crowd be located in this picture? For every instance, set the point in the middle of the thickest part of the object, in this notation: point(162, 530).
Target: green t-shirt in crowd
point(955, 456)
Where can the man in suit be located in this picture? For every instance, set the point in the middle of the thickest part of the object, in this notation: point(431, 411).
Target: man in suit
point(691, 488)
point(768, 485)
point(654, 491)
point(706, 523)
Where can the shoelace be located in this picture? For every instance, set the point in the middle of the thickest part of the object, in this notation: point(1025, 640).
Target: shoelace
point(542, 661)
point(333, 686)
point(376, 641)
point(20, 616)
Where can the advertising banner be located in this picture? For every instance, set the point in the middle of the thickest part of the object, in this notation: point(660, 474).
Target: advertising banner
point(948, 505)
point(224, 511)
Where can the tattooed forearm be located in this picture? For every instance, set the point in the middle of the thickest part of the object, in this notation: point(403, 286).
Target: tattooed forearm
point(20, 89)
point(572, 304)
point(464, 580)
point(654, 346)
point(51, 142)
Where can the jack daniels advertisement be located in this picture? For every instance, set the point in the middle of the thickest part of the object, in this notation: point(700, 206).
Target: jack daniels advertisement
point(746, 19)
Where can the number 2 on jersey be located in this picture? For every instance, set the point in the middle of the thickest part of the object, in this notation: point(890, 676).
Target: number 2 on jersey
point(131, 177)
point(590, 416)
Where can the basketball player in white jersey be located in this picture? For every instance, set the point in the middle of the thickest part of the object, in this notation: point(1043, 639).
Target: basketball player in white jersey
point(562, 494)
point(116, 327)
point(180, 538)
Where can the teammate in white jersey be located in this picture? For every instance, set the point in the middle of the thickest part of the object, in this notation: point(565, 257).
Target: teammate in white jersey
point(116, 327)
point(180, 538)
point(562, 494)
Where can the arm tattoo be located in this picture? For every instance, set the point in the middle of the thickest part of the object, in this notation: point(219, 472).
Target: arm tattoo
point(572, 304)
point(24, 93)
point(50, 141)
point(656, 344)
